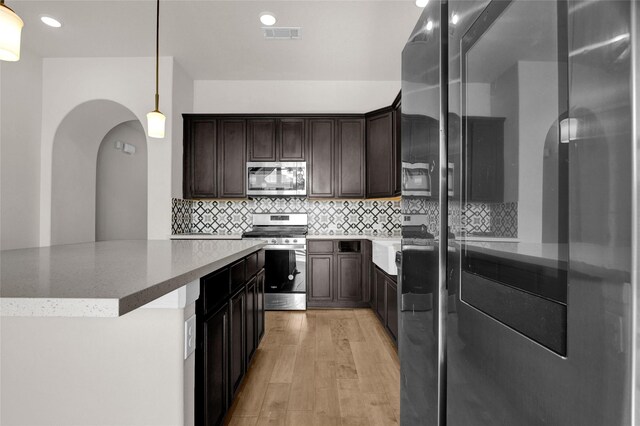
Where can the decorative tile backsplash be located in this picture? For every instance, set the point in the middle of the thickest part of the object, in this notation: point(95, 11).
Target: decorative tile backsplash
point(487, 219)
point(326, 217)
point(342, 217)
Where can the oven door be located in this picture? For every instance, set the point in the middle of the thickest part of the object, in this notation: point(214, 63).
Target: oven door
point(274, 178)
point(285, 277)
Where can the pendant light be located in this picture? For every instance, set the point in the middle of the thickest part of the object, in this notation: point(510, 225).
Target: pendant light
point(10, 32)
point(156, 119)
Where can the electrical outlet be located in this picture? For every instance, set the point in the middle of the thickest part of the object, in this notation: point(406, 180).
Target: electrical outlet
point(189, 336)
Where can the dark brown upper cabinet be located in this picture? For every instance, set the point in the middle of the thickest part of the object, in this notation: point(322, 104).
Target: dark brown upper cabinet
point(321, 168)
point(350, 159)
point(261, 139)
point(381, 155)
point(200, 156)
point(271, 139)
point(291, 138)
point(397, 144)
point(232, 135)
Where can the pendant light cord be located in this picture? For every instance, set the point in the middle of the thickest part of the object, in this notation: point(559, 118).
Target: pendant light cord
point(157, 52)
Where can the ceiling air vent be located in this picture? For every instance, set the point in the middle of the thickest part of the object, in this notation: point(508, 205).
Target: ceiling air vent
point(282, 33)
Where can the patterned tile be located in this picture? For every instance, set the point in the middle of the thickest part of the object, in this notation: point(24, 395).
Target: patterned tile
point(343, 217)
point(332, 217)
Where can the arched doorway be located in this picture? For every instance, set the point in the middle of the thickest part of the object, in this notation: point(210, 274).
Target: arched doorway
point(74, 168)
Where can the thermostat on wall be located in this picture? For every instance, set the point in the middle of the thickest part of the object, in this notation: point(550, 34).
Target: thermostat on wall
point(129, 149)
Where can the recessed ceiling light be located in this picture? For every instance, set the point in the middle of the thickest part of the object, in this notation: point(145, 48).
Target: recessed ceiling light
point(429, 25)
point(267, 18)
point(422, 3)
point(52, 22)
point(455, 18)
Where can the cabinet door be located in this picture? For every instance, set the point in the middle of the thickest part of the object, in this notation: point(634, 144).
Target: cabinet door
point(392, 308)
point(349, 282)
point(350, 158)
point(397, 157)
point(485, 153)
point(321, 167)
point(214, 374)
point(237, 329)
point(261, 139)
point(320, 278)
point(367, 282)
point(292, 139)
point(380, 157)
point(260, 306)
point(200, 171)
point(232, 158)
point(251, 318)
point(381, 297)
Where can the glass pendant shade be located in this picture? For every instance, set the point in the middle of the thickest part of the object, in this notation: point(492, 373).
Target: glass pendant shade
point(155, 124)
point(10, 32)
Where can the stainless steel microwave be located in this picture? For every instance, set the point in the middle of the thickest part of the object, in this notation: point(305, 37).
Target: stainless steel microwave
point(416, 179)
point(277, 178)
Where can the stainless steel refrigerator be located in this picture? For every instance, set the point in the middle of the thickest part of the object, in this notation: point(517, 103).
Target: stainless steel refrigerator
point(518, 280)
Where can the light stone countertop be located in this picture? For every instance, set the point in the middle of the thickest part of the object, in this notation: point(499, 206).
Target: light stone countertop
point(109, 278)
point(196, 236)
point(353, 237)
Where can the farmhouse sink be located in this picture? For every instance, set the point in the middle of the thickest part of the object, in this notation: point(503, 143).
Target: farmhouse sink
point(384, 255)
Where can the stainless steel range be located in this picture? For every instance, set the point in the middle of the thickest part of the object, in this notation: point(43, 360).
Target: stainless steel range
point(285, 258)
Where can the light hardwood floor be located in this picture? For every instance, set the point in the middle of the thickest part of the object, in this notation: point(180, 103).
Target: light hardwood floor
point(321, 367)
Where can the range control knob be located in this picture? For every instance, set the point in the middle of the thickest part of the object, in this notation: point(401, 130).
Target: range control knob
point(274, 241)
point(286, 241)
point(295, 241)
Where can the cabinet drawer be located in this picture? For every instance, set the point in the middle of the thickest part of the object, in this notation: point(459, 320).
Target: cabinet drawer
point(349, 246)
point(320, 246)
point(215, 289)
point(237, 275)
point(251, 264)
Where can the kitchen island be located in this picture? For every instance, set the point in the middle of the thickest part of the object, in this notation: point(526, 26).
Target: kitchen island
point(95, 333)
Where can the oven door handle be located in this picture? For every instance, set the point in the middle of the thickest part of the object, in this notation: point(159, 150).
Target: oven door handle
point(286, 247)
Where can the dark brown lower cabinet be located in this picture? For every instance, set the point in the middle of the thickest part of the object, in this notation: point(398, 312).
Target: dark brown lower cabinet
point(237, 328)
point(320, 278)
point(260, 306)
point(392, 308)
point(349, 284)
point(228, 331)
point(251, 319)
point(214, 374)
point(336, 277)
point(381, 295)
point(384, 302)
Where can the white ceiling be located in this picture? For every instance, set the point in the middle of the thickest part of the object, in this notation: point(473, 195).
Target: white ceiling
point(223, 40)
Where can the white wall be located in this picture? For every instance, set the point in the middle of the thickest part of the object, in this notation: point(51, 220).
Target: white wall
point(538, 109)
point(182, 103)
point(121, 185)
point(505, 103)
point(20, 124)
point(275, 96)
point(69, 82)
